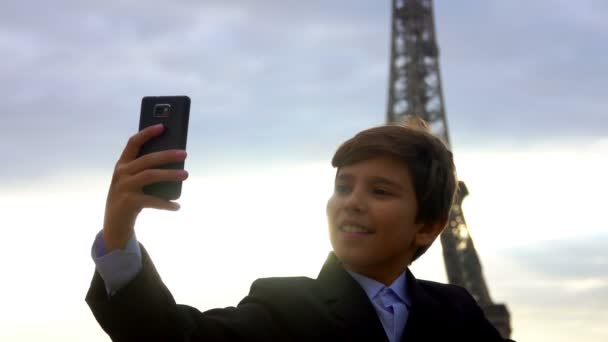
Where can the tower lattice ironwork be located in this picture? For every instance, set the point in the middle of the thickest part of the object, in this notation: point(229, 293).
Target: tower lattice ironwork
point(415, 90)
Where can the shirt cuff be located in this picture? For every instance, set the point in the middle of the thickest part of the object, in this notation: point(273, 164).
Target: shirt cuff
point(118, 267)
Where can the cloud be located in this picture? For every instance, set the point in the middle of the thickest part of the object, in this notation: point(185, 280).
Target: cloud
point(578, 259)
point(258, 79)
point(287, 78)
point(553, 275)
point(523, 71)
point(554, 289)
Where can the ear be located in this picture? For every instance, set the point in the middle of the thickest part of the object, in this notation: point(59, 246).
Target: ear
point(428, 232)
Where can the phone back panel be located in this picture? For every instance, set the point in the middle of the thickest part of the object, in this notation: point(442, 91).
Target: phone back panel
point(173, 112)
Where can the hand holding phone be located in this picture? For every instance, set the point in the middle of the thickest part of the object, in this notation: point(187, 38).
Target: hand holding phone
point(173, 113)
point(125, 198)
point(152, 161)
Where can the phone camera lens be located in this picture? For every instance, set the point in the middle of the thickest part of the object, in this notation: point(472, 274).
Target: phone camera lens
point(161, 110)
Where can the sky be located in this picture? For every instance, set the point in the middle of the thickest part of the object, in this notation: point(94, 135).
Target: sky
point(276, 86)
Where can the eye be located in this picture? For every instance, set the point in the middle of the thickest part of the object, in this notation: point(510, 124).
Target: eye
point(381, 192)
point(342, 188)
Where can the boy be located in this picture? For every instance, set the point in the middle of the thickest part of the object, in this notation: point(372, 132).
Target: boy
point(394, 187)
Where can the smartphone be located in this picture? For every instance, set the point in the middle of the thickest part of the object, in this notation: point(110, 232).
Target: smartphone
point(173, 112)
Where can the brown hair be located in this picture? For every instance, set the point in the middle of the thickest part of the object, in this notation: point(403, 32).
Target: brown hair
point(427, 158)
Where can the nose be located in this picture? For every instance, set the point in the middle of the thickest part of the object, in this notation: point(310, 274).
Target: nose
point(355, 201)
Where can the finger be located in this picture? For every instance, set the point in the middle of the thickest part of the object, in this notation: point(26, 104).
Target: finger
point(137, 140)
point(151, 176)
point(154, 159)
point(153, 202)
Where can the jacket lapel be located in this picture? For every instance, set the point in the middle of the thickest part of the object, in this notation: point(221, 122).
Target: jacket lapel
point(349, 303)
point(425, 315)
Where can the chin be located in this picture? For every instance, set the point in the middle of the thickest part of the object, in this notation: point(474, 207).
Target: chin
point(354, 254)
point(354, 257)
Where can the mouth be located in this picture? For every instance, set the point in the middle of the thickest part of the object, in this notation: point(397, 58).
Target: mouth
point(351, 228)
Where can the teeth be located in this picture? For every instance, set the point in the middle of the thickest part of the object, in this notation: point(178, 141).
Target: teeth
point(348, 228)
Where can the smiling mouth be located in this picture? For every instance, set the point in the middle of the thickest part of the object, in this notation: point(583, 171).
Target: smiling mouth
point(353, 228)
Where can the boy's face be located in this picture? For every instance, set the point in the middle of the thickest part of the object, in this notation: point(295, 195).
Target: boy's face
point(371, 217)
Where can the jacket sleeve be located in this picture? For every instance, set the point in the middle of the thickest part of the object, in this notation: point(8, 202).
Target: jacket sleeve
point(478, 326)
point(145, 310)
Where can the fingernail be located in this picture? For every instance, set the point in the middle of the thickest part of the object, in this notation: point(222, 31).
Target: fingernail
point(158, 126)
point(181, 154)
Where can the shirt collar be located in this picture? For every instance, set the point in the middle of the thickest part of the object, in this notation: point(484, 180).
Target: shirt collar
point(372, 287)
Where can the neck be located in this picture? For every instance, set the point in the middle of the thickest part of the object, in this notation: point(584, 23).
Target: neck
point(386, 277)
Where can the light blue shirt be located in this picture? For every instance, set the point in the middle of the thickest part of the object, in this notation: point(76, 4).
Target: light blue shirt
point(392, 303)
point(120, 267)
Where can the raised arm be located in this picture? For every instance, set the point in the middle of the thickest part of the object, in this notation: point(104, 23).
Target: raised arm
point(126, 198)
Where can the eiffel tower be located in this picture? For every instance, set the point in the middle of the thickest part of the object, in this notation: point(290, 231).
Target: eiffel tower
point(415, 91)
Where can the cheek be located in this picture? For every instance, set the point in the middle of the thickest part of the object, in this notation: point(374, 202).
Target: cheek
point(396, 216)
point(330, 209)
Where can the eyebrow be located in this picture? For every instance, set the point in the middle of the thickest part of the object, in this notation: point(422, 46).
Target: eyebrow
point(373, 180)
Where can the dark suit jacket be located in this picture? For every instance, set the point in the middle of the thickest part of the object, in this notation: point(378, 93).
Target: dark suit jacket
point(332, 307)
